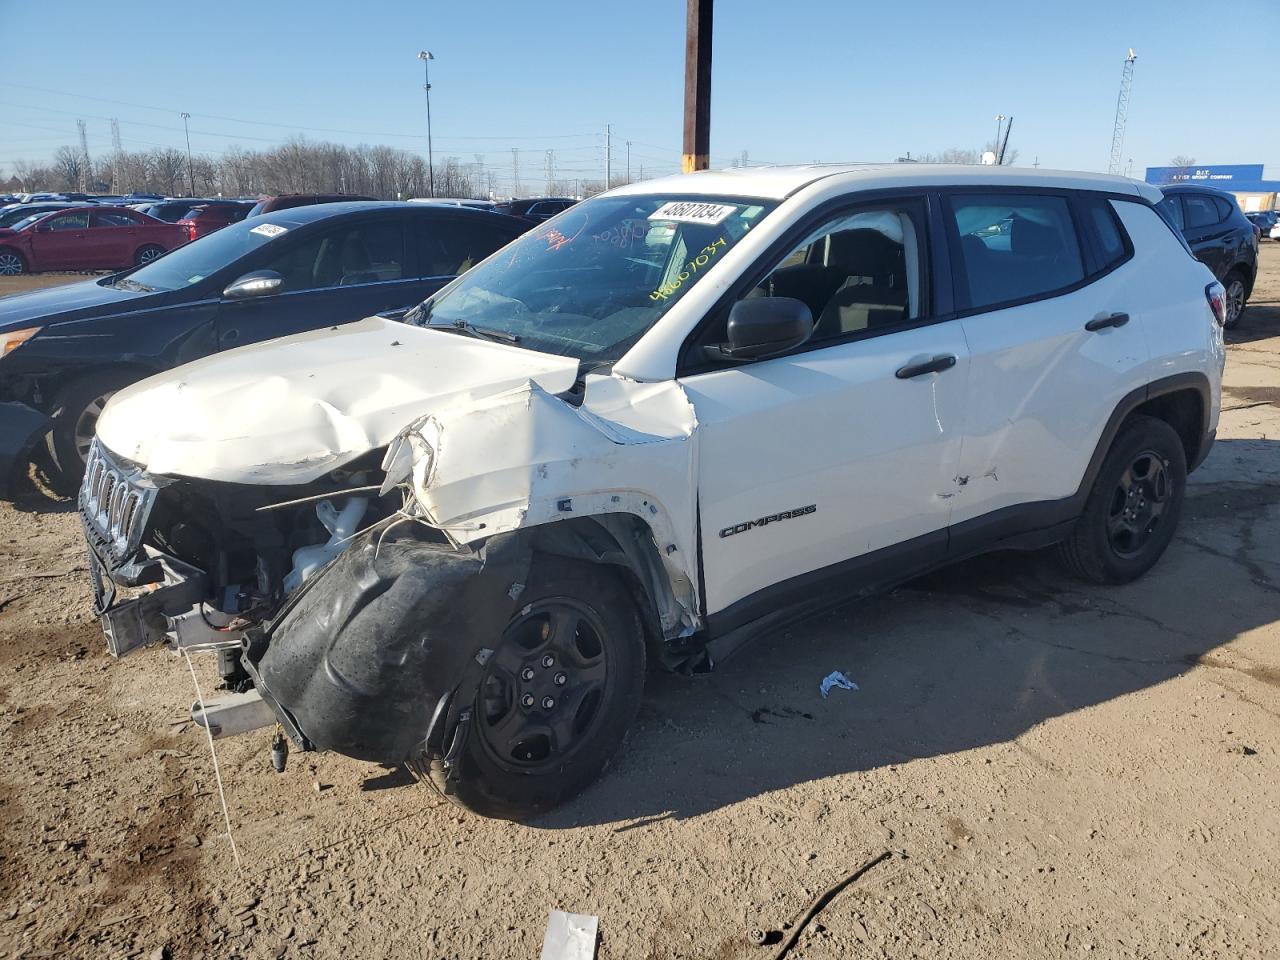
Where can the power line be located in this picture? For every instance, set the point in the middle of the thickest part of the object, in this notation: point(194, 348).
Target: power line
point(274, 124)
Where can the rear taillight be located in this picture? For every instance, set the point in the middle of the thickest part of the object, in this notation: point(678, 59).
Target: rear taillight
point(1216, 294)
point(191, 231)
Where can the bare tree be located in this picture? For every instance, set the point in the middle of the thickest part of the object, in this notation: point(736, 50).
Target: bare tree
point(67, 167)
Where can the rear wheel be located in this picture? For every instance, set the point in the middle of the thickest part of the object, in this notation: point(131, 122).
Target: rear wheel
point(147, 254)
point(1133, 509)
point(12, 263)
point(557, 696)
point(1237, 297)
point(75, 419)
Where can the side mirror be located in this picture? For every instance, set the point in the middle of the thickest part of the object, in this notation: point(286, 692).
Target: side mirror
point(764, 327)
point(259, 283)
point(44, 228)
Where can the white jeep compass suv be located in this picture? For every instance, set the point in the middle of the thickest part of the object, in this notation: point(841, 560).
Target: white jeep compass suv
point(670, 418)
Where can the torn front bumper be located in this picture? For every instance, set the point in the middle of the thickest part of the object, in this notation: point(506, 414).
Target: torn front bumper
point(172, 589)
point(21, 428)
point(376, 655)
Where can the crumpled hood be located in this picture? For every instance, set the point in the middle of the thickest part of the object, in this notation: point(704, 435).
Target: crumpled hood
point(287, 411)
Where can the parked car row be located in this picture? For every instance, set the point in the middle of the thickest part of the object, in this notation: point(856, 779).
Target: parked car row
point(671, 417)
point(297, 269)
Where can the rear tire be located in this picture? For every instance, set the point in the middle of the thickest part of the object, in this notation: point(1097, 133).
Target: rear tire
point(146, 254)
point(1132, 511)
point(1237, 285)
point(12, 263)
point(75, 416)
point(558, 694)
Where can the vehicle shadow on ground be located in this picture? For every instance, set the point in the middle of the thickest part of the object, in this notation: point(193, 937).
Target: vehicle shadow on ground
point(974, 655)
point(33, 495)
point(1260, 321)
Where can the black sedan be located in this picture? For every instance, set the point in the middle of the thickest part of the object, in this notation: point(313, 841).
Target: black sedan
point(65, 350)
point(1220, 236)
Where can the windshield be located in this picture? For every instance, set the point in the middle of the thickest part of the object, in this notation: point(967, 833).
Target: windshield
point(201, 258)
point(590, 282)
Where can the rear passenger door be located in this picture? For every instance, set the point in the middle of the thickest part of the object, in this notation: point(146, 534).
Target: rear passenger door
point(1033, 272)
point(113, 236)
point(447, 244)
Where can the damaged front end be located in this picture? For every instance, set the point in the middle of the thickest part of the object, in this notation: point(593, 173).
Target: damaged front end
point(380, 656)
point(203, 563)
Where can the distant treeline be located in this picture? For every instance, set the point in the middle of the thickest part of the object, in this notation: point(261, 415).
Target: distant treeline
point(297, 166)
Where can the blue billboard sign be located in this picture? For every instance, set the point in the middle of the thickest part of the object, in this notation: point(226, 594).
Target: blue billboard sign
point(1227, 176)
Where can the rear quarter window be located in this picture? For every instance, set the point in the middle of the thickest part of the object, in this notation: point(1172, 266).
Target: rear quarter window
point(1107, 235)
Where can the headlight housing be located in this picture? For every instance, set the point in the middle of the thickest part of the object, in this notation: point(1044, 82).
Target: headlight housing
point(11, 340)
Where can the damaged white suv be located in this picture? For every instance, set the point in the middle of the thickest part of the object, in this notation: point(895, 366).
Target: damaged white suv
point(665, 420)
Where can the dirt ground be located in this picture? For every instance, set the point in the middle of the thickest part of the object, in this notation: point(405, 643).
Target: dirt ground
point(1057, 770)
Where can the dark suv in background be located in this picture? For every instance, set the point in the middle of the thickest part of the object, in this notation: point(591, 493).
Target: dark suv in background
point(535, 209)
point(1221, 237)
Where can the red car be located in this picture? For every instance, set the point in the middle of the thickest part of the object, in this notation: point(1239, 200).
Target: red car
point(86, 238)
point(214, 215)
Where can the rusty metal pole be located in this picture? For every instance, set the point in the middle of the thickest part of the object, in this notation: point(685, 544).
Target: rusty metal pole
point(697, 87)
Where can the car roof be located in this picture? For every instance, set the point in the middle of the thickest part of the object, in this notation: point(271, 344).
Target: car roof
point(1195, 188)
point(780, 182)
point(300, 216)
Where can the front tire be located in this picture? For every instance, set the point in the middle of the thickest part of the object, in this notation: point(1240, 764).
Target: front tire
point(557, 696)
point(1132, 511)
point(12, 263)
point(75, 417)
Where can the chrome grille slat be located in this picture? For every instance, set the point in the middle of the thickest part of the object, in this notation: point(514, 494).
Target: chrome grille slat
point(115, 502)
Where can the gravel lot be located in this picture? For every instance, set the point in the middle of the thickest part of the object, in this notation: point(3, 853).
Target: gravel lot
point(1056, 770)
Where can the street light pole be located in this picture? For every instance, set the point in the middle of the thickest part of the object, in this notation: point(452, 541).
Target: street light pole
point(426, 58)
point(996, 149)
point(191, 177)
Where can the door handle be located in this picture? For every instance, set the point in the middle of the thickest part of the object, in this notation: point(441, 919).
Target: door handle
point(1110, 320)
point(231, 336)
point(935, 365)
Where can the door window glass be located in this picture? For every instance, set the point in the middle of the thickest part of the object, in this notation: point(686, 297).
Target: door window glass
point(1106, 231)
point(1224, 208)
point(1171, 208)
point(70, 221)
point(1200, 210)
point(1015, 247)
point(360, 253)
point(452, 246)
point(858, 272)
point(111, 218)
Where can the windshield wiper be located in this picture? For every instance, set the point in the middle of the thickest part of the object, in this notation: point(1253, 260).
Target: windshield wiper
point(482, 333)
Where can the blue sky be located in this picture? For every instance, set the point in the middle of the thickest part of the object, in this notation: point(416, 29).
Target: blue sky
point(793, 81)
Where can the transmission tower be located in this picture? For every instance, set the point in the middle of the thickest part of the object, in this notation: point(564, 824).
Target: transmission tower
point(117, 155)
point(84, 157)
point(515, 171)
point(1122, 112)
point(551, 171)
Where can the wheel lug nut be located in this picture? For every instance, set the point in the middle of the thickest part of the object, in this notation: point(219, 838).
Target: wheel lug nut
point(526, 700)
point(526, 673)
point(561, 679)
point(548, 703)
point(548, 661)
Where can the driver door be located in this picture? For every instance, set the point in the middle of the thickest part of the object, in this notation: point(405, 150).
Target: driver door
point(344, 273)
point(58, 243)
point(832, 467)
